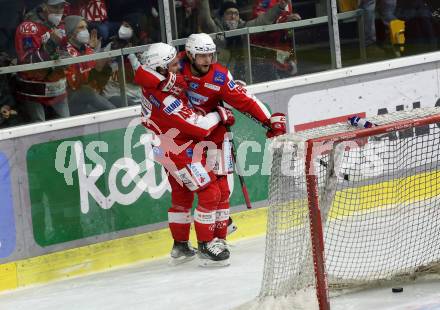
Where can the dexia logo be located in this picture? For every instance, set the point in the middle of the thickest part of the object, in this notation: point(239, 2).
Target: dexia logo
point(141, 174)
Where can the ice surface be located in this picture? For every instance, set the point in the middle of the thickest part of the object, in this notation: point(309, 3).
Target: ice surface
point(159, 286)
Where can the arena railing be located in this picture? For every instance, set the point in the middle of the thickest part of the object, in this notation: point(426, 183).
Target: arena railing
point(247, 32)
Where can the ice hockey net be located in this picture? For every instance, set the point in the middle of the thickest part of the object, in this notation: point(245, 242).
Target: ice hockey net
point(353, 208)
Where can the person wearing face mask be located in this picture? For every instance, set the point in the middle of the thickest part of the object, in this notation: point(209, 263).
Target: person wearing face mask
point(230, 50)
point(132, 32)
point(82, 87)
point(125, 31)
point(41, 37)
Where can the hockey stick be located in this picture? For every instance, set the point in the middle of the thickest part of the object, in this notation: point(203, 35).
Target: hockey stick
point(255, 120)
point(237, 166)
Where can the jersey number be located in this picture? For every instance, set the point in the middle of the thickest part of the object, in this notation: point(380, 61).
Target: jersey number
point(185, 112)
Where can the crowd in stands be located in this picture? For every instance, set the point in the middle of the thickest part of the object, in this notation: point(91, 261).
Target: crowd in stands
point(39, 30)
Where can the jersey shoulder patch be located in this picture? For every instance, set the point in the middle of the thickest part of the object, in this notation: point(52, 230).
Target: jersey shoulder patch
point(219, 77)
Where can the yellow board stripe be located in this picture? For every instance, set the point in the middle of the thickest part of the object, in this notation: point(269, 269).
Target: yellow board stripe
point(406, 190)
point(8, 276)
point(387, 194)
point(114, 253)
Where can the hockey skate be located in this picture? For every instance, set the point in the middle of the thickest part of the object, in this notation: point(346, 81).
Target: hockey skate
point(182, 252)
point(224, 244)
point(213, 254)
point(231, 226)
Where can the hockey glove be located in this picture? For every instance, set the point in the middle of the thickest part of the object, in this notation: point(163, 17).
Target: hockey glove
point(226, 115)
point(277, 125)
point(173, 84)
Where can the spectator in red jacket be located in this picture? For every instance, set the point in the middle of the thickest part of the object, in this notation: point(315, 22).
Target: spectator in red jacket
point(41, 38)
point(82, 90)
point(262, 6)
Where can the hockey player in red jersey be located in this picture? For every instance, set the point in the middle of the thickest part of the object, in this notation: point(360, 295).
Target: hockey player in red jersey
point(180, 129)
point(210, 83)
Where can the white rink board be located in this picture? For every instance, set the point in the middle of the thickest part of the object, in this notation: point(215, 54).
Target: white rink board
point(368, 96)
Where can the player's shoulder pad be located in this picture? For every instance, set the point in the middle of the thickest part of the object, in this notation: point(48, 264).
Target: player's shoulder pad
point(152, 99)
point(154, 73)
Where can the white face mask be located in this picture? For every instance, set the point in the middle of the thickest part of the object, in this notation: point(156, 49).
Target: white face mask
point(55, 19)
point(83, 37)
point(125, 33)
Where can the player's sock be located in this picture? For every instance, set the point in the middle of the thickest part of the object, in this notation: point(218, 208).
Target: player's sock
point(221, 222)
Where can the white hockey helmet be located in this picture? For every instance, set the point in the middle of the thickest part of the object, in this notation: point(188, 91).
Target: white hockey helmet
point(200, 43)
point(158, 55)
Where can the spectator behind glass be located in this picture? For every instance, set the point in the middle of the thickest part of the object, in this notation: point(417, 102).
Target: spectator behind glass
point(8, 109)
point(419, 20)
point(186, 15)
point(262, 6)
point(230, 50)
point(83, 90)
point(281, 40)
point(131, 33)
point(386, 11)
point(118, 9)
point(40, 38)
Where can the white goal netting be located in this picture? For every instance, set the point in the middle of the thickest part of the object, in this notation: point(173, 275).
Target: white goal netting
point(379, 198)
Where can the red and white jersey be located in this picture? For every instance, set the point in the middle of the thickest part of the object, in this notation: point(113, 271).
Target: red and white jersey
point(78, 74)
point(207, 91)
point(162, 112)
point(33, 44)
point(218, 85)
